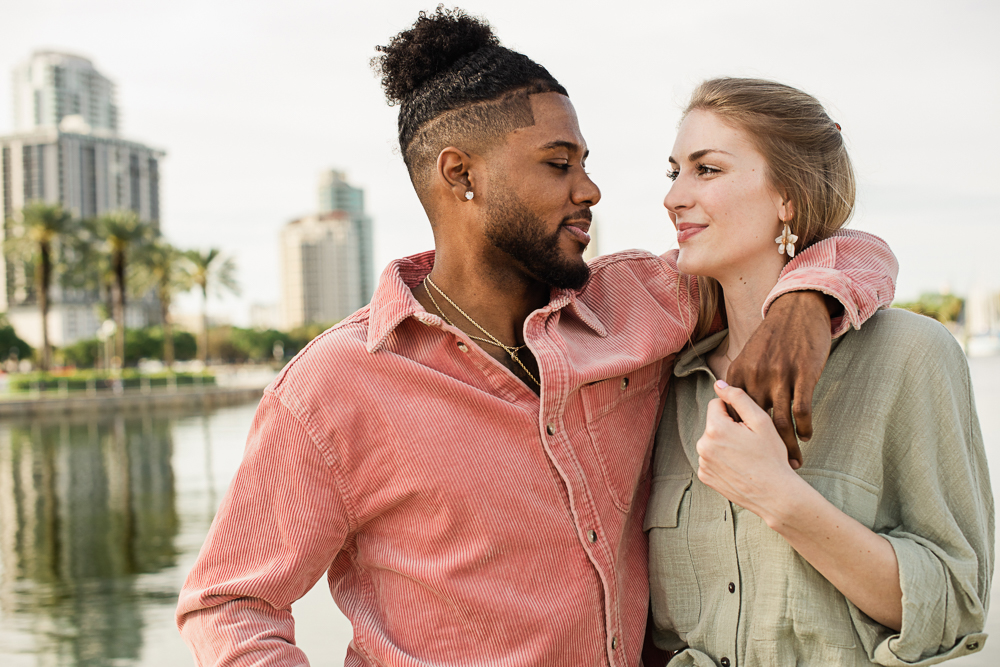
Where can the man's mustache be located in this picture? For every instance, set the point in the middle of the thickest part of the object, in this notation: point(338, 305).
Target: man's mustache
point(582, 214)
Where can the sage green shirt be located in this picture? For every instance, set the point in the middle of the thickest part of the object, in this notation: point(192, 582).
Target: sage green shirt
point(897, 446)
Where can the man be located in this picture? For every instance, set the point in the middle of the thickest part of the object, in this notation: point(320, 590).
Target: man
point(467, 457)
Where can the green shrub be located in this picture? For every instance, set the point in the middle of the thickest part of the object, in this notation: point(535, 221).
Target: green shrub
point(10, 342)
point(944, 308)
point(144, 343)
point(79, 380)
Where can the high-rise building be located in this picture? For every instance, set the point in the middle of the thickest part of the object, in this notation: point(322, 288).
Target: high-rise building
point(66, 150)
point(336, 194)
point(326, 258)
point(50, 86)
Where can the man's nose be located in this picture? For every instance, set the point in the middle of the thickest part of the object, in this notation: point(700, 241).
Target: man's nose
point(586, 193)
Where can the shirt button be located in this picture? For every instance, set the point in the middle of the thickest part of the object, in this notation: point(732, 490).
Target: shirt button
point(463, 347)
point(732, 587)
point(972, 646)
point(592, 536)
point(624, 383)
point(724, 662)
point(550, 429)
point(614, 643)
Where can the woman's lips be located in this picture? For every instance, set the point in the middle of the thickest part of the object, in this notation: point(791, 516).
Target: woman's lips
point(686, 231)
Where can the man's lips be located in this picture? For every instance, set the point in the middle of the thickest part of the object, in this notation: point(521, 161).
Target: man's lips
point(578, 230)
point(687, 230)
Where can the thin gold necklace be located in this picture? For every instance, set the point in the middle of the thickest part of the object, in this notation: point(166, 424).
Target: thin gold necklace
point(726, 353)
point(492, 340)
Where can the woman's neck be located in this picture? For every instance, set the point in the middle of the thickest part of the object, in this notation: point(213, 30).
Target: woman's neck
point(744, 295)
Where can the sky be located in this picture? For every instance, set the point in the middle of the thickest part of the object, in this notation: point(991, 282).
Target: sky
point(252, 100)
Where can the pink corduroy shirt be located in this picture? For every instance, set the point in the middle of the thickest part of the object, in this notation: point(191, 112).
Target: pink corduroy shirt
point(460, 518)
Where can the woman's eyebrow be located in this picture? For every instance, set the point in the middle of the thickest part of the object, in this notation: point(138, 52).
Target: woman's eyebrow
point(697, 155)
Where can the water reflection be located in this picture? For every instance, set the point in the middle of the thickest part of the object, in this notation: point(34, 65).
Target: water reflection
point(85, 506)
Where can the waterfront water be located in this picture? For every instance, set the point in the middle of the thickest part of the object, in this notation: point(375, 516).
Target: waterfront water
point(101, 518)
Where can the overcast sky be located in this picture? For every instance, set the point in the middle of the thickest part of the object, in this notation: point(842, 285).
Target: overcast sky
point(252, 99)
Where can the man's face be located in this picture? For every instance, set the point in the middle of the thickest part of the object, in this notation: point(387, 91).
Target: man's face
point(539, 199)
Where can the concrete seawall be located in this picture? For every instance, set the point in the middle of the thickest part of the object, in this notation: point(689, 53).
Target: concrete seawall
point(206, 397)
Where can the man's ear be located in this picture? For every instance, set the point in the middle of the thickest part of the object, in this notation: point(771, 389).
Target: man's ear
point(454, 171)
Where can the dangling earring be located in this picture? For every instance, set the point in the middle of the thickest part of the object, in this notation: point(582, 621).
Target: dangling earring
point(786, 242)
point(469, 194)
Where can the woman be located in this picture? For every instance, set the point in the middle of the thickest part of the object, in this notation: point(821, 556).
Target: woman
point(880, 548)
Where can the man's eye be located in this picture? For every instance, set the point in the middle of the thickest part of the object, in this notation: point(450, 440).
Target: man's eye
point(672, 175)
point(560, 165)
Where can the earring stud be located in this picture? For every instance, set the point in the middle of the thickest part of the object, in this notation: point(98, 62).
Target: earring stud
point(469, 194)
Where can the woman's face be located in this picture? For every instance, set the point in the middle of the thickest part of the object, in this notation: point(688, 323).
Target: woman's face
point(725, 210)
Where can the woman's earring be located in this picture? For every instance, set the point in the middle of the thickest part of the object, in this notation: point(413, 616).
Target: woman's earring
point(786, 242)
point(469, 194)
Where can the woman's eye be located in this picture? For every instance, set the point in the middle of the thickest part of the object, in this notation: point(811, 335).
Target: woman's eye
point(672, 175)
point(705, 170)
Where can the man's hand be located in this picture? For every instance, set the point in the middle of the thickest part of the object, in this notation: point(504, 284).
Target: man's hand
point(781, 363)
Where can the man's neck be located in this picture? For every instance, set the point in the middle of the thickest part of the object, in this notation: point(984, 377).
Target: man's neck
point(492, 294)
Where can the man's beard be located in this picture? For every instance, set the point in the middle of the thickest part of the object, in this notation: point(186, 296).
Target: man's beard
point(515, 230)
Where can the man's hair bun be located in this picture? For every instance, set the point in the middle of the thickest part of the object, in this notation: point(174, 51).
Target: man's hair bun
point(434, 44)
point(454, 82)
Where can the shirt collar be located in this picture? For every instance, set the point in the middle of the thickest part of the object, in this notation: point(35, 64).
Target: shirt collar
point(695, 358)
point(561, 298)
point(393, 300)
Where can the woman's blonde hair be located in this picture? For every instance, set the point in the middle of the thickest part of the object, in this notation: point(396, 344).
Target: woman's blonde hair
point(807, 162)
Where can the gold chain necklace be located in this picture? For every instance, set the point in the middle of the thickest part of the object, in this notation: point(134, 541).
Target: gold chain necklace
point(493, 340)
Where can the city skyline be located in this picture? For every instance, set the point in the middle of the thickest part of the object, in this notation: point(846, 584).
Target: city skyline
point(251, 105)
point(66, 150)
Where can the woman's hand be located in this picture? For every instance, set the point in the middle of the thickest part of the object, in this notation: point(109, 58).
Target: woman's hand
point(745, 462)
point(748, 464)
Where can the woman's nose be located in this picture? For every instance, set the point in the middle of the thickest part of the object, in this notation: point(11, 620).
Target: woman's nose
point(675, 198)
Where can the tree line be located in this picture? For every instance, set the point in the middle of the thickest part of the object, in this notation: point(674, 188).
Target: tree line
point(118, 257)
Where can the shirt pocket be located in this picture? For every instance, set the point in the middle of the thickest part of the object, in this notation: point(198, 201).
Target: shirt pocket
point(621, 417)
point(673, 582)
point(852, 495)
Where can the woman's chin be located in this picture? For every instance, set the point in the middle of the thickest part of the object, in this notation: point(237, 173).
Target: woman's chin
point(689, 263)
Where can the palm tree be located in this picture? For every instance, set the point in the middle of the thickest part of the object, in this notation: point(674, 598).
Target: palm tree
point(215, 272)
point(121, 231)
point(165, 269)
point(43, 226)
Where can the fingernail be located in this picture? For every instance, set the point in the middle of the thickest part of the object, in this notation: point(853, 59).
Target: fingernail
point(721, 384)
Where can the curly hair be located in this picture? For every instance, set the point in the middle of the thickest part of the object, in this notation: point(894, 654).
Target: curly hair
point(455, 84)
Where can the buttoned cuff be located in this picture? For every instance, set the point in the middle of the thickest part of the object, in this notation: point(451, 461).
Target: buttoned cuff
point(928, 619)
point(831, 282)
point(970, 643)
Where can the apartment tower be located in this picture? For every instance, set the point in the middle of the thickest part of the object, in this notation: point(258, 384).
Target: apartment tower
point(326, 258)
point(66, 149)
